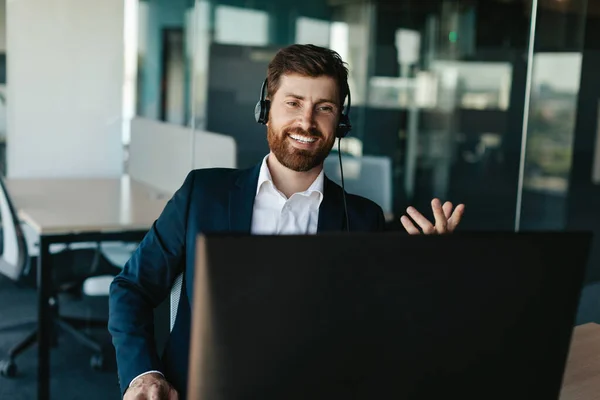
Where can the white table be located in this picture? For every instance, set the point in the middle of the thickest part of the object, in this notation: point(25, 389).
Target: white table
point(60, 206)
point(79, 210)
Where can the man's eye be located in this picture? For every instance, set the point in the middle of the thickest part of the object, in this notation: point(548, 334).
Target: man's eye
point(292, 103)
point(326, 108)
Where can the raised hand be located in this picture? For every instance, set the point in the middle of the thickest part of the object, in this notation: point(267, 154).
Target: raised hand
point(446, 217)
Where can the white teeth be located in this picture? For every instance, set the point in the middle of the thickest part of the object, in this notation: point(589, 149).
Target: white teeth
point(303, 139)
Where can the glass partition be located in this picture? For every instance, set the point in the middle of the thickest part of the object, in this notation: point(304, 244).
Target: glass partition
point(441, 93)
point(165, 30)
point(549, 131)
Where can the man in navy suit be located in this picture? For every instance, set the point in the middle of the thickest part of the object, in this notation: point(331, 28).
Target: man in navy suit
point(287, 193)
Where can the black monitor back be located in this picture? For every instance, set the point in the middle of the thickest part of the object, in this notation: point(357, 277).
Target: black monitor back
point(374, 316)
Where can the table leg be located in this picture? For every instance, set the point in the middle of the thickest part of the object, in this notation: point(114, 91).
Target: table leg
point(45, 297)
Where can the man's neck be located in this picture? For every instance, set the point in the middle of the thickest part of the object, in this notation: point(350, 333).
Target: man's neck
point(288, 181)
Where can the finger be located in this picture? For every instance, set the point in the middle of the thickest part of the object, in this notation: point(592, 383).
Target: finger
point(155, 393)
point(140, 395)
point(447, 210)
point(423, 222)
point(454, 220)
point(134, 393)
point(409, 226)
point(441, 222)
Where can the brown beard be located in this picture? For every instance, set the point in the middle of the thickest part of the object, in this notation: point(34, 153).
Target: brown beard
point(297, 159)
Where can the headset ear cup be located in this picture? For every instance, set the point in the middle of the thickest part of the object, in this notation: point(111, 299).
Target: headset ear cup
point(258, 112)
point(267, 108)
point(261, 111)
point(343, 127)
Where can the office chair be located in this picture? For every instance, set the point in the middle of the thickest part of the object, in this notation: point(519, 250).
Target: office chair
point(71, 267)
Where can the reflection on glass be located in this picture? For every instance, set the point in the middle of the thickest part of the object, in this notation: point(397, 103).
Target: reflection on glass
point(481, 85)
point(478, 86)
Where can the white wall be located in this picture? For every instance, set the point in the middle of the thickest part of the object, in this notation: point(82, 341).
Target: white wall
point(3, 50)
point(65, 74)
point(2, 26)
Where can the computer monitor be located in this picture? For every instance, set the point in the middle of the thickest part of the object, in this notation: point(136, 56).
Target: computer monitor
point(384, 316)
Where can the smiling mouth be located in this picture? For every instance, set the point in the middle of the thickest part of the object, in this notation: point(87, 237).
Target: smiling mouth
point(303, 139)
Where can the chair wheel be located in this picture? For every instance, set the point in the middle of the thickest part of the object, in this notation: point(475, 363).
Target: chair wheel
point(8, 368)
point(97, 362)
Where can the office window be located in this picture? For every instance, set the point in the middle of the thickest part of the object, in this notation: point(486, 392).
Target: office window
point(236, 25)
point(312, 31)
point(553, 111)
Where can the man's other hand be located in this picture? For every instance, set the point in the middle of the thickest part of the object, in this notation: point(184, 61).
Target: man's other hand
point(151, 387)
point(446, 217)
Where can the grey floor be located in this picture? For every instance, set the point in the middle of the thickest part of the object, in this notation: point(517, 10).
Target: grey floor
point(72, 377)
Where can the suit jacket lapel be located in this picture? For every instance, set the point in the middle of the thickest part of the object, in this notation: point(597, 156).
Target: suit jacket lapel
point(331, 211)
point(241, 200)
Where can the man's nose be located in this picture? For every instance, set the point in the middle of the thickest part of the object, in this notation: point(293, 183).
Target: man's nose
point(307, 119)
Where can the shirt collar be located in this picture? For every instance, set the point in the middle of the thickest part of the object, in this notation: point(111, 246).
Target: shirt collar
point(265, 176)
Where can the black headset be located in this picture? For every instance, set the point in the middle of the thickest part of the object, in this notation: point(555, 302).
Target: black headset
point(261, 112)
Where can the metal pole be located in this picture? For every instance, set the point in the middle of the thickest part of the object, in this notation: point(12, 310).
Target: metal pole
point(534, 11)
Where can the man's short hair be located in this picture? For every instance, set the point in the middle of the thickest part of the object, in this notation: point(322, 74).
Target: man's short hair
point(308, 60)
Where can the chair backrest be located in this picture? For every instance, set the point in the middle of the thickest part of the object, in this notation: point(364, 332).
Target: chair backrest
point(174, 299)
point(167, 310)
point(13, 251)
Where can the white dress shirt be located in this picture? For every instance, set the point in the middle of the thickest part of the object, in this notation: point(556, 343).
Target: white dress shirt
point(275, 214)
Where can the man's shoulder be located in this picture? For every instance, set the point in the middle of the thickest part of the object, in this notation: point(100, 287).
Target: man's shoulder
point(361, 202)
point(215, 179)
point(208, 175)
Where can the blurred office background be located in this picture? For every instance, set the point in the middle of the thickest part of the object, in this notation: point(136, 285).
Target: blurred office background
point(492, 103)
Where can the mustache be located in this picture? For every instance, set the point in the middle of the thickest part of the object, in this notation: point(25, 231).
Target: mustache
point(315, 133)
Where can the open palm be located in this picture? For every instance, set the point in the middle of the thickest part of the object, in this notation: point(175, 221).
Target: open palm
point(446, 217)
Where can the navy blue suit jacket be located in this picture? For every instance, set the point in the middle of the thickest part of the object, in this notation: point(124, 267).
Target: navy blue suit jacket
point(210, 200)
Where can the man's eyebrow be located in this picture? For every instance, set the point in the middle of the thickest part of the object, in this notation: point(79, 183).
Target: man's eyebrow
point(299, 97)
point(296, 96)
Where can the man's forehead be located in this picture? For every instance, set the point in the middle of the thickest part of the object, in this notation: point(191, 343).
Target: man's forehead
point(291, 76)
point(323, 84)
